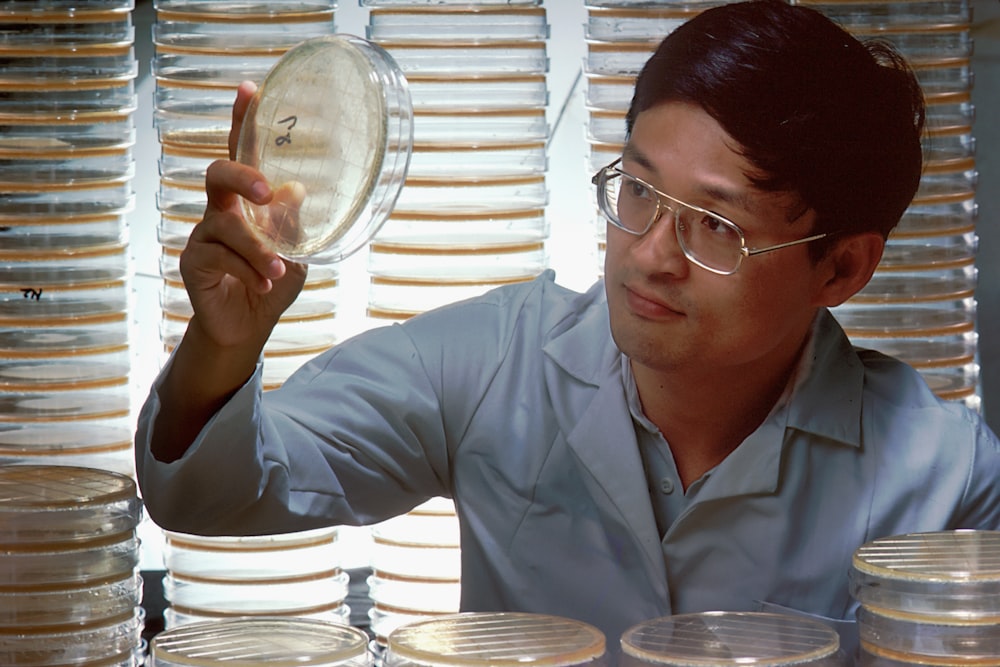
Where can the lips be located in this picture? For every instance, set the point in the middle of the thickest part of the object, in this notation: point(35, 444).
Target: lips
point(650, 306)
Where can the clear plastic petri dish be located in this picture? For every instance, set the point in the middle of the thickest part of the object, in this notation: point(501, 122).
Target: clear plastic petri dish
point(397, 299)
point(330, 127)
point(924, 353)
point(299, 554)
point(59, 10)
point(66, 139)
point(434, 3)
point(248, 642)
point(603, 92)
point(944, 574)
point(482, 126)
point(443, 24)
point(110, 403)
point(111, 643)
point(722, 639)
point(503, 228)
point(338, 613)
point(70, 606)
point(906, 320)
point(921, 42)
point(605, 127)
point(68, 205)
point(25, 240)
point(947, 218)
point(410, 560)
point(464, 160)
point(265, 37)
point(935, 253)
point(71, 563)
point(953, 384)
point(415, 595)
point(612, 58)
point(514, 639)
point(60, 505)
point(622, 24)
point(256, 596)
point(445, 93)
point(68, 101)
point(470, 57)
point(471, 194)
point(918, 286)
point(210, 69)
point(893, 12)
point(242, 11)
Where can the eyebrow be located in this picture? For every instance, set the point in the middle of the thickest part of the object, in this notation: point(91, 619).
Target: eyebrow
point(738, 198)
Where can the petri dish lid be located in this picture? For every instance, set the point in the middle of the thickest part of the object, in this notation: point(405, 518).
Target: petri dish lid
point(732, 638)
point(55, 504)
point(495, 640)
point(945, 573)
point(330, 127)
point(275, 642)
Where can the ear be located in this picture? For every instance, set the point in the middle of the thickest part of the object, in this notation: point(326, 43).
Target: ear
point(849, 266)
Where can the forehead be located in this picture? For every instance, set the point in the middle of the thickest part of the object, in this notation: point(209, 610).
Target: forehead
point(680, 149)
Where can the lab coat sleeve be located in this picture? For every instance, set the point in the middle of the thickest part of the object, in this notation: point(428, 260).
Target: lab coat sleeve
point(364, 431)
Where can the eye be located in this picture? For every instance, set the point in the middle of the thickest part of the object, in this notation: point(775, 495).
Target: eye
point(714, 225)
point(636, 190)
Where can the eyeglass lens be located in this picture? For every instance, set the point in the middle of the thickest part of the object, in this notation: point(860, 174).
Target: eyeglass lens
point(705, 238)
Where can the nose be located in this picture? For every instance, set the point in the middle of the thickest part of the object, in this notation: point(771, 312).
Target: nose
point(658, 250)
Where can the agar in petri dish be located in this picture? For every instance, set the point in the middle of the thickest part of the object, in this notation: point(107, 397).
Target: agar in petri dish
point(330, 127)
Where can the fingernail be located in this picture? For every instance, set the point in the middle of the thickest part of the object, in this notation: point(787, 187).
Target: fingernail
point(276, 268)
point(260, 189)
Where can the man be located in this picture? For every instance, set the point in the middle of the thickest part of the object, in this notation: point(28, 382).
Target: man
point(695, 432)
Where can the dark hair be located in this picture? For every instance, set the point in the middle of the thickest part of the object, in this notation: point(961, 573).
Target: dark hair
point(817, 113)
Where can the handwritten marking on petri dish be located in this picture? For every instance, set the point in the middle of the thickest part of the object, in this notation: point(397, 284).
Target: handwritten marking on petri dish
point(286, 138)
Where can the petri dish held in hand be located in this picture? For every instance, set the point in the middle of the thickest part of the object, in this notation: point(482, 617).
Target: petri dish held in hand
point(331, 128)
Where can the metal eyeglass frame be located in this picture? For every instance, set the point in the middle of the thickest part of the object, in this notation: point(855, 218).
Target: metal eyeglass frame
point(600, 180)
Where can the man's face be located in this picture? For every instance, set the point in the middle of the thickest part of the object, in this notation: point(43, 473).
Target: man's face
point(670, 315)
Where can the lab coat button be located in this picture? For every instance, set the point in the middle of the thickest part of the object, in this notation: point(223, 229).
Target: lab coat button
point(666, 485)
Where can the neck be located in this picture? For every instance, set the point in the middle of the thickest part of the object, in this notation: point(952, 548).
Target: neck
point(704, 418)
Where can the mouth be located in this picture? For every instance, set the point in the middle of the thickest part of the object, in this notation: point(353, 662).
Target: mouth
point(648, 306)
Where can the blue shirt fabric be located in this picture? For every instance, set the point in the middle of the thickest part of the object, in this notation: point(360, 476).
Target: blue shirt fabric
point(514, 405)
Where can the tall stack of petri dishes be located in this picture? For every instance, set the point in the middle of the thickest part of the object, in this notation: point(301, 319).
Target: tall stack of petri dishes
point(920, 304)
point(219, 578)
point(203, 49)
point(732, 639)
point(471, 214)
point(928, 599)
point(620, 36)
point(67, 99)
point(69, 584)
point(416, 568)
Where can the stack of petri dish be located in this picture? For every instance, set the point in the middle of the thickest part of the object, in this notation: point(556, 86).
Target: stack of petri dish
point(203, 50)
point(929, 599)
point(920, 305)
point(416, 567)
point(266, 642)
point(471, 214)
point(503, 639)
point(69, 584)
point(219, 578)
point(620, 37)
point(67, 99)
point(731, 639)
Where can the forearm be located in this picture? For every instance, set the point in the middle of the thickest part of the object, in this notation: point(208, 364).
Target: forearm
point(201, 378)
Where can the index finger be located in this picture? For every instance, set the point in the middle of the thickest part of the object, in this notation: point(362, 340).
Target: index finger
point(244, 94)
point(226, 181)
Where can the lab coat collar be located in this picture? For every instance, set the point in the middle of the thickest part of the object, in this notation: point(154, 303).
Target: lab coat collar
point(593, 413)
point(827, 400)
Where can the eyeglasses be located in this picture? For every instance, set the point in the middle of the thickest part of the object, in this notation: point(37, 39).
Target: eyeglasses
point(706, 239)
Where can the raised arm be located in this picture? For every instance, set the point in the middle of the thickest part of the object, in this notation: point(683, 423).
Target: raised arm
point(238, 290)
